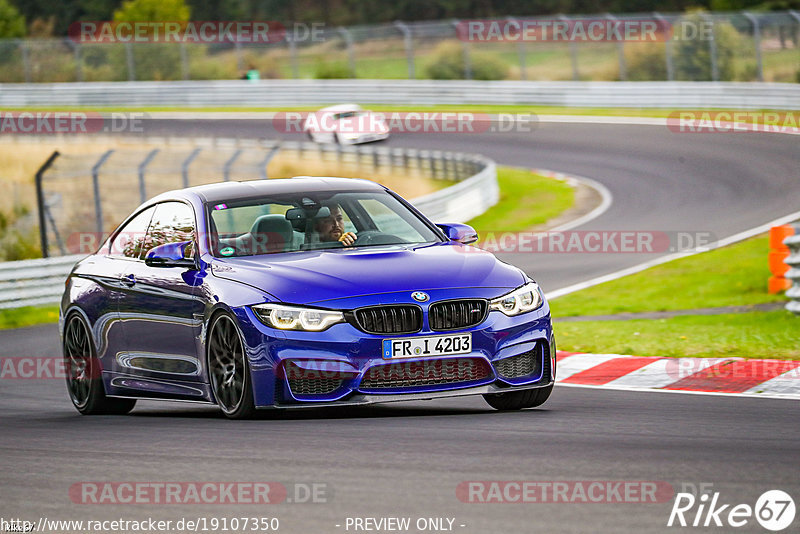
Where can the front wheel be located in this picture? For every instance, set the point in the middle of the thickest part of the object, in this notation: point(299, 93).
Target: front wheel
point(517, 400)
point(228, 369)
point(83, 373)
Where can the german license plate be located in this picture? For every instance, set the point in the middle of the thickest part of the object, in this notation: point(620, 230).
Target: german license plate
point(419, 347)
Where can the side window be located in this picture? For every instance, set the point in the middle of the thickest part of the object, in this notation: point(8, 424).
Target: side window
point(172, 222)
point(130, 239)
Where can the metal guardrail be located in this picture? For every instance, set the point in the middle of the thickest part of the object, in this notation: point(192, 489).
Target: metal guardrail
point(793, 261)
point(37, 282)
point(686, 95)
point(465, 200)
point(34, 282)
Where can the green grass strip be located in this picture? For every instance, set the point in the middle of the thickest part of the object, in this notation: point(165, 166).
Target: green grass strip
point(526, 199)
point(28, 316)
point(731, 276)
point(770, 335)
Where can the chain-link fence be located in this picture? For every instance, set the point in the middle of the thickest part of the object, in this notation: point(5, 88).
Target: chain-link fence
point(694, 47)
point(82, 197)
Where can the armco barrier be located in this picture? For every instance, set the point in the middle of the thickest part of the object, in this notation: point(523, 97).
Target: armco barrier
point(793, 274)
point(37, 282)
point(686, 95)
point(34, 282)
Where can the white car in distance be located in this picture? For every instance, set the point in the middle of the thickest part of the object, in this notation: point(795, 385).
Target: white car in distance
point(345, 124)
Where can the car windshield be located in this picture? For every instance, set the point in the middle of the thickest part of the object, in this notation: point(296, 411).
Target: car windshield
point(349, 114)
point(313, 221)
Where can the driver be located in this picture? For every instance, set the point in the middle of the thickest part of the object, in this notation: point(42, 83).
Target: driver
point(331, 228)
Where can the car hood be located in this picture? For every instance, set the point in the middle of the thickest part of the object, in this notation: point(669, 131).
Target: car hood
point(320, 275)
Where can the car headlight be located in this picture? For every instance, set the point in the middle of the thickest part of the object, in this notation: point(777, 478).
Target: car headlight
point(296, 317)
point(523, 299)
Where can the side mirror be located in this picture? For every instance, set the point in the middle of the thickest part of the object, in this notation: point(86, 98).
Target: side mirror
point(170, 255)
point(462, 233)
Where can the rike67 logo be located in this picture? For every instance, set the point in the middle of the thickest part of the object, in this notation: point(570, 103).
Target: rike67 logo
point(774, 510)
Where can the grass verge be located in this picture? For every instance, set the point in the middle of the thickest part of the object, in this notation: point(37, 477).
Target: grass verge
point(28, 316)
point(730, 276)
point(526, 199)
point(747, 335)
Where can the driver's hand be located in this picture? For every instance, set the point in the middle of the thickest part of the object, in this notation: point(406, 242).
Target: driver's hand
point(348, 238)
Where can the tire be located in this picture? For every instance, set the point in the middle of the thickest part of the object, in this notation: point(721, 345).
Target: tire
point(228, 370)
point(517, 400)
point(84, 373)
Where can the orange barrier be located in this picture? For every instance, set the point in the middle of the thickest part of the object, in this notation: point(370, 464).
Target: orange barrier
point(777, 256)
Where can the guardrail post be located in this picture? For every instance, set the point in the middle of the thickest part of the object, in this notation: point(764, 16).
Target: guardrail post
point(667, 46)
point(712, 48)
point(293, 54)
point(623, 71)
point(26, 61)
point(573, 53)
point(226, 170)
point(40, 204)
point(184, 61)
point(757, 38)
point(76, 51)
point(185, 166)
point(520, 48)
point(142, 166)
point(239, 56)
point(796, 16)
point(465, 52)
point(793, 261)
point(267, 159)
point(351, 57)
point(130, 61)
point(408, 43)
point(98, 206)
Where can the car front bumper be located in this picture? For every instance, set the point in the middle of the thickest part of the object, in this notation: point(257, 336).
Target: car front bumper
point(345, 354)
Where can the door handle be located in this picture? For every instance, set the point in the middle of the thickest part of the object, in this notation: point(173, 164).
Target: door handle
point(128, 280)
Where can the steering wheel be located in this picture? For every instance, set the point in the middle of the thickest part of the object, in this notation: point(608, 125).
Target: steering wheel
point(376, 237)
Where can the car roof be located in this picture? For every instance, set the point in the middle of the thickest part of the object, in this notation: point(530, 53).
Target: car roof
point(222, 191)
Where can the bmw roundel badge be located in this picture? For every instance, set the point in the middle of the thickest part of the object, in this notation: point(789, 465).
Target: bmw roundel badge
point(420, 296)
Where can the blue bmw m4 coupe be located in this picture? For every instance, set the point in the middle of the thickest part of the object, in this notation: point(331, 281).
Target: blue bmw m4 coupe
point(301, 292)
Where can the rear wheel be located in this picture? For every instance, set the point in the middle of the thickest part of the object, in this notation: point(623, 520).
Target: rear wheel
point(228, 369)
point(517, 400)
point(83, 373)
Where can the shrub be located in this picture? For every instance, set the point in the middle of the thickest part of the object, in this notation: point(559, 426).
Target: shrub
point(448, 64)
point(646, 62)
point(332, 70)
point(691, 58)
point(19, 240)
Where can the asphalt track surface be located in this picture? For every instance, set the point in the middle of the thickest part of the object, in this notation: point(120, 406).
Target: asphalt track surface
point(407, 459)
